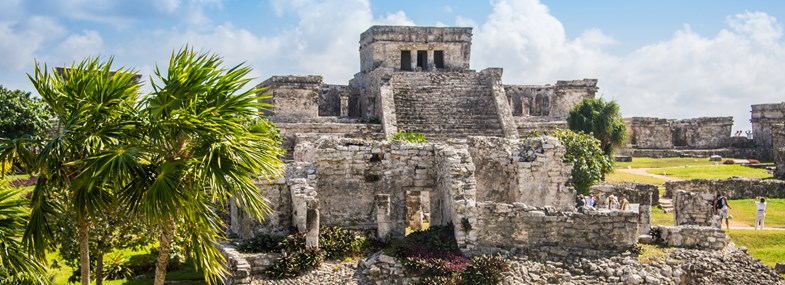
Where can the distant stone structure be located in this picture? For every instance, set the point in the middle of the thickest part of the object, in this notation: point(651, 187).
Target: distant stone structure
point(765, 120)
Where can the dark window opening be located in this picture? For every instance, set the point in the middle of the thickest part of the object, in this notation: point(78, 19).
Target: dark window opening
point(422, 59)
point(438, 59)
point(406, 60)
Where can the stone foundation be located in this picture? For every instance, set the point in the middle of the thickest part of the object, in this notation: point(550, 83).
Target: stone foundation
point(694, 208)
point(737, 188)
point(697, 237)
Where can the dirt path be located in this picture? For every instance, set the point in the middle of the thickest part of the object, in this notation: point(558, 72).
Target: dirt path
point(642, 171)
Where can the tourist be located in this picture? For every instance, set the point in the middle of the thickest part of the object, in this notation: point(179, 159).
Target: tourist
point(624, 204)
point(589, 201)
point(721, 208)
point(761, 214)
point(612, 203)
point(749, 134)
point(594, 200)
point(581, 201)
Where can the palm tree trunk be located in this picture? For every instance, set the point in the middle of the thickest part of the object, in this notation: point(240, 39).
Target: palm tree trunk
point(84, 250)
point(165, 241)
point(99, 268)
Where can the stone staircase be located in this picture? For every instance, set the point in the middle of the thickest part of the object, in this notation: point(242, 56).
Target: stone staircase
point(666, 205)
point(445, 105)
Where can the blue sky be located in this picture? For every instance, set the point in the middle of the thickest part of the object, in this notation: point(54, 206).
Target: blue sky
point(673, 59)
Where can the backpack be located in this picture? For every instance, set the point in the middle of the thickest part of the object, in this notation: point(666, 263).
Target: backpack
point(720, 202)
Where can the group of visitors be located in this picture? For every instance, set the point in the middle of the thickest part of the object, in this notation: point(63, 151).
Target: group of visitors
point(721, 207)
point(740, 133)
point(612, 203)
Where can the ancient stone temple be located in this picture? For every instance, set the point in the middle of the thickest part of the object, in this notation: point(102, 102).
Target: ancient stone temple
point(499, 190)
point(419, 79)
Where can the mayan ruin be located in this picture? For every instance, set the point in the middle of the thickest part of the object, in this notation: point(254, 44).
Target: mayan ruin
point(367, 142)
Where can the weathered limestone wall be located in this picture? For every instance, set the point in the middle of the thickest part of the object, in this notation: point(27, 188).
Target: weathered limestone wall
point(737, 188)
point(456, 194)
point(507, 226)
point(763, 117)
point(703, 133)
point(706, 238)
point(530, 171)
point(293, 97)
point(778, 142)
point(295, 133)
point(239, 269)
point(538, 125)
point(694, 208)
point(703, 153)
point(641, 197)
point(549, 100)
point(353, 173)
point(334, 100)
point(648, 132)
point(381, 46)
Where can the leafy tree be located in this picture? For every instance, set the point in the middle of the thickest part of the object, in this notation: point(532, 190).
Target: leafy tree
point(601, 119)
point(22, 115)
point(17, 266)
point(590, 164)
point(95, 107)
point(194, 152)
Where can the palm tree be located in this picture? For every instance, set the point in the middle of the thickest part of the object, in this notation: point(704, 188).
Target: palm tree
point(95, 108)
point(16, 264)
point(198, 148)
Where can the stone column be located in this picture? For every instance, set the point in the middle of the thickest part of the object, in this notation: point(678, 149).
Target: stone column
point(344, 104)
point(299, 212)
point(414, 210)
point(383, 221)
point(312, 234)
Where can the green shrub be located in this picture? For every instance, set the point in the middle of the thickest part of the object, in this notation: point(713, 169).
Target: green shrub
point(410, 136)
point(145, 263)
point(117, 268)
point(261, 243)
point(293, 242)
point(435, 242)
point(485, 270)
point(454, 279)
point(292, 264)
point(339, 243)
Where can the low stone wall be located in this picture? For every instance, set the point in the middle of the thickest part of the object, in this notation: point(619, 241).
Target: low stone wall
point(381, 268)
point(706, 238)
point(737, 188)
point(640, 195)
point(505, 226)
point(261, 261)
point(239, 271)
point(694, 208)
point(750, 153)
point(295, 133)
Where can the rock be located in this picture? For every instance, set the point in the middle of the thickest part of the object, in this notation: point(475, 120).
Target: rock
point(633, 279)
point(715, 158)
point(779, 268)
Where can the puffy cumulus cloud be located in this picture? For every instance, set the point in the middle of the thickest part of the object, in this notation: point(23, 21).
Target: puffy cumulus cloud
point(79, 46)
point(20, 41)
point(688, 75)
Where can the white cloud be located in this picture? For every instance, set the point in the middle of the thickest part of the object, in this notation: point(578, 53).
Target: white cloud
point(688, 75)
point(78, 46)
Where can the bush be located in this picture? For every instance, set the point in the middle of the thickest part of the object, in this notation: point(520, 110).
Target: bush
point(339, 243)
point(590, 164)
point(261, 243)
point(454, 279)
point(436, 242)
point(145, 263)
point(410, 136)
point(485, 270)
point(445, 266)
point(117, 268)
point(292, 264)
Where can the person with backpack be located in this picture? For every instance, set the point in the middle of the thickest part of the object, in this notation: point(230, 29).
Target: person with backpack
point(721, 208)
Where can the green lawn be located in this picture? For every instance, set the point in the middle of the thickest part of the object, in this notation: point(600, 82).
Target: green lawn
point(768, 246)
point(618, 176)
point(722, 171)
point(659, 217)
point(648, 162)
point(744, 211)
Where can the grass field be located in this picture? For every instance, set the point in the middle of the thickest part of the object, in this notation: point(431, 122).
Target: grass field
point(744, 210)
point(618, 176)
point(721, 171)
point(648, 162)
point(659, 217)
point(768, 246)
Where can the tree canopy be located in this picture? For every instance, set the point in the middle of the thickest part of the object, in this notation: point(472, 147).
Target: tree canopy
point(22, 115)
point(590, 164)
point(602, 120)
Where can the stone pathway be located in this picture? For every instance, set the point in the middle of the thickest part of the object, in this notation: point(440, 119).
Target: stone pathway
point(643, 171)
point(331, 272)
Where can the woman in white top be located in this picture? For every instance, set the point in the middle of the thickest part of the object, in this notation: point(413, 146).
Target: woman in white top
point(761, 214)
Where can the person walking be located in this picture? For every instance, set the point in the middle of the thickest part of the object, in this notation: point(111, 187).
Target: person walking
point(721, 208)
point(760, 215)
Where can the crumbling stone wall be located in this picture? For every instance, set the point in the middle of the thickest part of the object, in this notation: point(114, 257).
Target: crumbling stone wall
point(736, 187)
point(293, 97)
point(707, 238)
point(778, 141)
point(763, 117)
point(702, 133)
point(549, 100)
point(334, 100)
point(296, 133)
point(694, 208)
point(646, 132)
point(640, 195)
point(530, 171)
point(538, 125)
point(507, 226)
